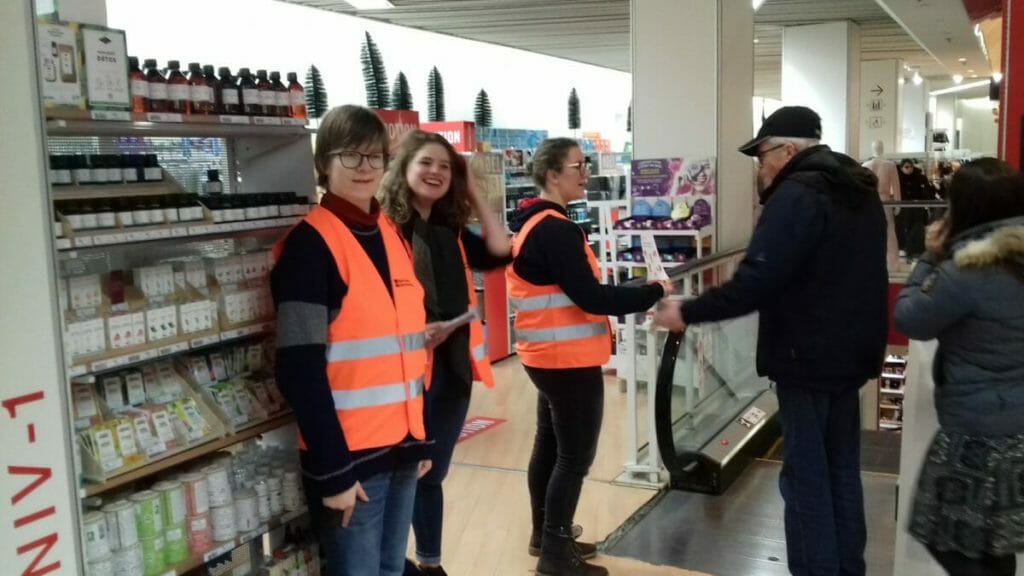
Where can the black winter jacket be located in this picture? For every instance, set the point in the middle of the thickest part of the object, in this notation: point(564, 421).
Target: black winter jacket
point(815, 269)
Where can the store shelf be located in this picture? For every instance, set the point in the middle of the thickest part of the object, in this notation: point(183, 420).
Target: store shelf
point(122, 359)
point(94, 191)
point(98, 123)
point(893, 376)
point(890, 406)
point(895, 360)
point(187, 455)
point(195, 561)
point(890, 425)
point(169, 232)
point(891, 392)
point(702, 233)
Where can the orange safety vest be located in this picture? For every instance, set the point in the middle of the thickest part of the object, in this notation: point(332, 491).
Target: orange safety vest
point(376, 357)
point(477, 345)
point(551, 331)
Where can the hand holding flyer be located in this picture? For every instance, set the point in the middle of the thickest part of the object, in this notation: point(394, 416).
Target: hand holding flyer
point(655, 269)
point(438, 332)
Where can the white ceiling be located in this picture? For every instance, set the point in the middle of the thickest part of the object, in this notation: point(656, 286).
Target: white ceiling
point(597, 31)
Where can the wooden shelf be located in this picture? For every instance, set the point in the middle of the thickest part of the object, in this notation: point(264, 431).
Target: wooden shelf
point(187, 455)
point(222, 548)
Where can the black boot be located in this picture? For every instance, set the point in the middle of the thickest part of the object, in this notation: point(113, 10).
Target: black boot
point(559, 556)
point(411, 569)
point(586, 550)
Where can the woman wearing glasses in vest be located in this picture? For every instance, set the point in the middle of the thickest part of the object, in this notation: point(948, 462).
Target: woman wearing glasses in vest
point(430, 195)
point(351, 354)
point(563, 339)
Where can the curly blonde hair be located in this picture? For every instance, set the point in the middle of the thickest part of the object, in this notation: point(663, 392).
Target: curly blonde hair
point(453, 210)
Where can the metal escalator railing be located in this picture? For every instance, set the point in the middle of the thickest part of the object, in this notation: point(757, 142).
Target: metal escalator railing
point(712, 411)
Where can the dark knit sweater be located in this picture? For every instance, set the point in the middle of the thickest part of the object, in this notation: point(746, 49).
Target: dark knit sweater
point(308, 294)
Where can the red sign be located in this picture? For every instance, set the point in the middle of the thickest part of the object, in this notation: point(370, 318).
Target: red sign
point(398, 122)
point(477, 425)
point(461, 135)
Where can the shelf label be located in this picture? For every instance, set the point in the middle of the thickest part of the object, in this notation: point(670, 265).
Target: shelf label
point(266, 121)
point(112, 115)
point(63, 243)
point(218, 551)
point(172, 349)
point(163, 117)
point(250, 536)
point(179, 232)
point(289, 516)
point(204, 341)
point(233, 119)
point(293, 121)
point(107, 239)
point(83, 241)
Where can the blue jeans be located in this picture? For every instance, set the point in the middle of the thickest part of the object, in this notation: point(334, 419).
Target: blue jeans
point(820, 481)
point(374, 542)
point(445, 412)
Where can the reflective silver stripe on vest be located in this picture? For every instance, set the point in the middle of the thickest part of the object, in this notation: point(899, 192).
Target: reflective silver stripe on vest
point(544, 302)
point(480, 352)
point(372, 347)
point(377, 396)
point(562, 334)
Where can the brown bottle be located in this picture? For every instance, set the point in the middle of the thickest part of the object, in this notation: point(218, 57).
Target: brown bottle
point(157, 87)
point(296, 97)
point(178, 94)
point(268, 99)
point(200, 95)
point(139, 86)
point(229, 100)
point(251, 105)
point(210, 79)
point(283, 103)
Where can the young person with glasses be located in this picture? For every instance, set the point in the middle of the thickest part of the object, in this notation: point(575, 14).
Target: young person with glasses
point(430, 194)
point(351, 354)
point(563, 339)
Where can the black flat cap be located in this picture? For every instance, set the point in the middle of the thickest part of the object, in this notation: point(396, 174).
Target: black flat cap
point(786, 122)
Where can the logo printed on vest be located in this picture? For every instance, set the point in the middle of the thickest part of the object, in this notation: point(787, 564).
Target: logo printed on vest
point(403, 283)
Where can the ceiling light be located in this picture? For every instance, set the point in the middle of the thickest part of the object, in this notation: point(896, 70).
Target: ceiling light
point(971, 70)
point(370, 4)
point(962, 60)
point(957, 78)
point(757, 41)
point(901, 80)
point(917, 78)
point(757, 4)
point(974, 75)
point(997, 76)
point(959, 88)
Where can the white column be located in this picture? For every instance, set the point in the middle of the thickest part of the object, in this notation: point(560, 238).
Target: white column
point(37, 480)
point(915, 114)
point(821, 70)
point(693, 84)
point(880, 105)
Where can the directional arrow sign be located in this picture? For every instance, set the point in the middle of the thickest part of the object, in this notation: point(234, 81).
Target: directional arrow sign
point(877, 90)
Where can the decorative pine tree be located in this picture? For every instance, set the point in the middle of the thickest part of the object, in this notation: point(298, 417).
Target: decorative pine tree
point(629, 117)
point(435, 96)
point(401, 97)
point(574, 110)
point(316, 94)
point(375, 77)
point(482, 110)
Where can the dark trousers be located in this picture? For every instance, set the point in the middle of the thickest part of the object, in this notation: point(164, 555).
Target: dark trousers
point(570, 405)
point(820, 481)
point(956, 564)
point(445, 407)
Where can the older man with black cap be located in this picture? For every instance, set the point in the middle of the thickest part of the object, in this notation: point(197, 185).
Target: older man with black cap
point(815, 271)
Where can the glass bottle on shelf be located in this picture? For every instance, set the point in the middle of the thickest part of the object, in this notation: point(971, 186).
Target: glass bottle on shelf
point(210, 79)
point(97, 169)
point(140, 211)
point(156, 210)
point(213, 185)
point(89, 221)
point(200, 94)
point(60, 170)
point(296, 97)
point(139, 86)
point(124, 212)
point(283, 102)
point(129, 170)
point(151, 169)
point(157, 87)
point(113, 163)
point(227, 93)
point(80, 170)
point(170, 207)
point(178, 92)
point(250, 94)
point(268, 99)
point(105, 215)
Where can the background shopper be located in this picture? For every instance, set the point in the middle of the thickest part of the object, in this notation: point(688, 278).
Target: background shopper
point(815, 270)
point(429, 193)
point(968, 291)
point(350, 325)
point(562, 340)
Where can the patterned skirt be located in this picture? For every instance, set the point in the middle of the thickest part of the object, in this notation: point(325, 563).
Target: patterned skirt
point(970, 496)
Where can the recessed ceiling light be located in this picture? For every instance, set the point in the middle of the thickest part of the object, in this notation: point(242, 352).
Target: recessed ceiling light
point(974, 75)
point(997, 76)
point(917, 78)
point(957, 78)
point(962, 60)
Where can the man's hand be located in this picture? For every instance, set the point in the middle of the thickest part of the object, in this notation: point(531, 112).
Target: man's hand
point(436, 333)
point(346, 502)
point(667, 287)
point(935, 237)
point(670, 315)
point(423, 467)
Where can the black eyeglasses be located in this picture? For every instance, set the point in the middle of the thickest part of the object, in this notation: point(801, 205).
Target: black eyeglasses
point(760, 155)
point(352, 160)
point(581, 167)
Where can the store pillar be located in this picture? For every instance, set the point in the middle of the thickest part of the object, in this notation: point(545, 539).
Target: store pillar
point(881, 103)
point(693, 86)
point(821, 70)
point(37, 482)
point(1011, 105)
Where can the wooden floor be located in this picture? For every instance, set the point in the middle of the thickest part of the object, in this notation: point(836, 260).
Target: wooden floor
point(487, 510)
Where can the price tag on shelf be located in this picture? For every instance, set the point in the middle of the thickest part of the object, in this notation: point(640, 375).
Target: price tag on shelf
point(83, 241)
point(266, 121)
point(163, 117)
point(135, 236)
point(179, 232)
point(233, 119)
point(172, 349)
point(63, 243)
point(204, 341)
point(107, 239)
point(219, 551)
point(289, 516)
point(112, 115)
point(77, 370)
point(254, 534)
point(161, 233)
